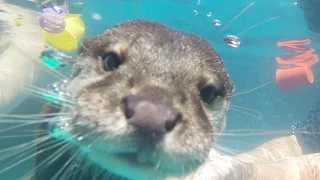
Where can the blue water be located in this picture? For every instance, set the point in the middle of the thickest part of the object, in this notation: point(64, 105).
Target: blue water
point(250, 65)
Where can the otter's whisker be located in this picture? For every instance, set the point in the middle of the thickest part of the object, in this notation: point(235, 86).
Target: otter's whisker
point(17, 126)
point(182, 169)
point(26, 158)
point(62, 151)
point(53, 72)
point(43, 92)
point(34, 131)
point(258, 24)
point(88, 134)
point(226, 150)
point(241, 111)
point(52, 96)
point(253, 133)
point(18, 155)
point(238, 15)
point(16, 121)
point(24, 121)
point(59, 153)
point(79, 160)
point(97, 174)
point(12, 155)
point(235, 141)
point(43, 163)
point(30, 146)
point(25, 124)
point(106, 176)
point(160, 175)
point(84, 170)
point(261, 86)
point(66, 166)
point(24, 145)
point(56, 155)
point(157, 166)
point(31, 116)
point(19, 136)
point(239, 130)
point(247, 109)
point(255, 130)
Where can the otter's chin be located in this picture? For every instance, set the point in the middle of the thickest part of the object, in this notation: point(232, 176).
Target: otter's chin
point(130, 165)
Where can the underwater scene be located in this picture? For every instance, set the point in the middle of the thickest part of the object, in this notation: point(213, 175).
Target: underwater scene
point(159, 89)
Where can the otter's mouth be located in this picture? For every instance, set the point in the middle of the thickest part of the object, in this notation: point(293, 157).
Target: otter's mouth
point(125, 164)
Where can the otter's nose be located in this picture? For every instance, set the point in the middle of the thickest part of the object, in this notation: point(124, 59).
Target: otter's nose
point(150, 113)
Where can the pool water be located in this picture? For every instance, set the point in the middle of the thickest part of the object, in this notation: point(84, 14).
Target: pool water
point(258, 25)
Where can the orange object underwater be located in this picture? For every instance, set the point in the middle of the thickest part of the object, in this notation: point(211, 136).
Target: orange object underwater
point(293, 77)
point(307, 58)
point(302, 60)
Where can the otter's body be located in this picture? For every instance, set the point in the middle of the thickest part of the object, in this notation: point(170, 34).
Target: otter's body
point(147, 102)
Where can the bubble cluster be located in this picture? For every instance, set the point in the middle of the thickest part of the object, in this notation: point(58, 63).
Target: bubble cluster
point(57, 92)
point(59, 87)
point(57, 128)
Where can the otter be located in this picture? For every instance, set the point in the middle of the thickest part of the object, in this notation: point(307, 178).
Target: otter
point(146, 102)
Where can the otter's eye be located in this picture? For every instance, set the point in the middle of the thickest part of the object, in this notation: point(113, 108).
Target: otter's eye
point(111, 62)
point(207, 94)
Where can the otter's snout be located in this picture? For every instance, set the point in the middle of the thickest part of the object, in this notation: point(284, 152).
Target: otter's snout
point(150, 113)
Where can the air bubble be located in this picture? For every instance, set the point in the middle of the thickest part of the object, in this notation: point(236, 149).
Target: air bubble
point(216, 22)
point(209, 14)
point(58, 9)
point(232, 40)
point(57, 128)
point(57, 92)
point(96, 16)
point(199, 2)
point(59, 87)
point(195, 12)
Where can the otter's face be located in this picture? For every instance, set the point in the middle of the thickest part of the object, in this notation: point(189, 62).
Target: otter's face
point(148, 100)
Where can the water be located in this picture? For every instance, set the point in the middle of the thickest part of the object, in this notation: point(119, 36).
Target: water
point(259, 26)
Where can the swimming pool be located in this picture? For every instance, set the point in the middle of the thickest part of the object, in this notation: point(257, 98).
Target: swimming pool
point(260, 25)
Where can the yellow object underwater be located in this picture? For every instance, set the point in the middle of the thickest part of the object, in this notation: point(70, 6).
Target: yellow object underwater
point(19, 21)
point(67, 40)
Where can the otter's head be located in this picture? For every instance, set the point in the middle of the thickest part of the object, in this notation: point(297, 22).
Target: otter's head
point(148, 100)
